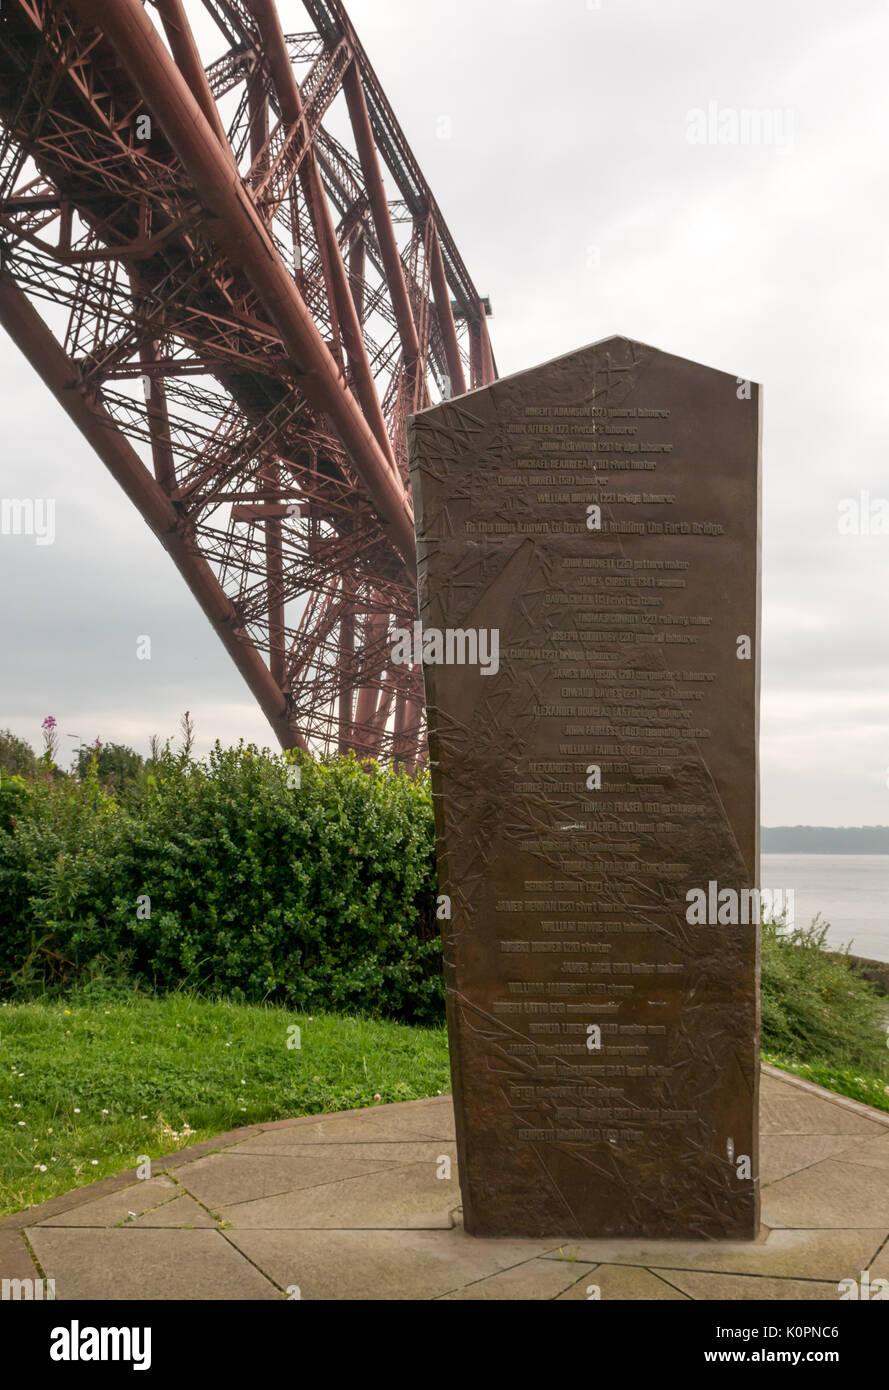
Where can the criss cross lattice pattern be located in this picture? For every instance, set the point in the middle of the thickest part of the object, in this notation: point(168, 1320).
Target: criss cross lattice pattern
point(218, 251)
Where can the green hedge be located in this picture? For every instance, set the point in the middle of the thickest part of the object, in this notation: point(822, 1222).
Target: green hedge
point(816, 1007)
point(317, 896)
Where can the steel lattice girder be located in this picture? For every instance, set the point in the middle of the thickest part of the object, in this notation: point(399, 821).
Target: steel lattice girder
point(245, 335)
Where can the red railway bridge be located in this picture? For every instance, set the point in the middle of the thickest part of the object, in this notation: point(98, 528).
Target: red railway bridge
point(239, 309)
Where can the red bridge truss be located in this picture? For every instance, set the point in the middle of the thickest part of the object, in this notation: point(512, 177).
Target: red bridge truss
point(240, 320)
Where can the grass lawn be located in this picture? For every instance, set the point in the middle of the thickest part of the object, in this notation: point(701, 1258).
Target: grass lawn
point(87, 1085)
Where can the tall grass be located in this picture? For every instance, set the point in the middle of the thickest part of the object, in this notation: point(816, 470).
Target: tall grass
point(814, 1005)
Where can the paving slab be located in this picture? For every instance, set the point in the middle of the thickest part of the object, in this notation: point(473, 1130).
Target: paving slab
point(381, 1152)
point(622, 1282)
point(818, 1254)
point(146, 1264)
point(403, 1198)
point(15, 1258)
point(350, 1206)
point(233, 1176)
point(736, 1287)
point(783, 1154)
point(436, 1121)
point(879, 1265)
point(118, 1206)
point(830, 1193)
point(532, 1280)
point(786, 1109)
point(182, 1213)
point(340, 1264)
point(874, 1153)
point(356, 1125)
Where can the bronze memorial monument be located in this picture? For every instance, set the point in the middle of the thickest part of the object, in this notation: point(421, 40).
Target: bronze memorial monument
point(588, 551)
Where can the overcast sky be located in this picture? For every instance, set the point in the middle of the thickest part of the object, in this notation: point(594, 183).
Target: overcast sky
point(555, 135)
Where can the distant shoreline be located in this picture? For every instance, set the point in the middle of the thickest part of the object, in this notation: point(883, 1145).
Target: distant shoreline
point(824, 839)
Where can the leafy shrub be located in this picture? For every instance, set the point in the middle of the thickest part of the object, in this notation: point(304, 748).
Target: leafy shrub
point(815, 1005)
point(16, 756)
point(118, 767)
point(317, 896)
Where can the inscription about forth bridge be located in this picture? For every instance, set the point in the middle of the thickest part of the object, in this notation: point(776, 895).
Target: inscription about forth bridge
point(600, 514)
